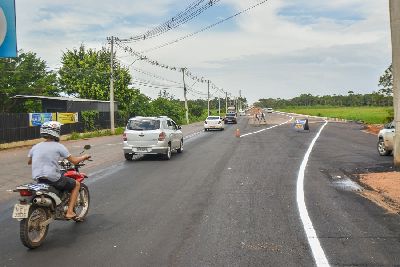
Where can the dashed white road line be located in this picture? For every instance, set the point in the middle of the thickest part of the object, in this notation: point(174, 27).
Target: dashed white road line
point(318, 253)
point(262, 130)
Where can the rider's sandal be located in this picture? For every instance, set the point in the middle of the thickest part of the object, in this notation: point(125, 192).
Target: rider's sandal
point(78, 219)
point(70, 218)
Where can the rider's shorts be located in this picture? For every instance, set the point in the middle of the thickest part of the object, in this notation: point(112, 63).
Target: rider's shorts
point(62, 184)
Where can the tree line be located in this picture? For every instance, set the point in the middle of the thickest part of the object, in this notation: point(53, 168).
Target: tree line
point(85, 73)
point(383, 97)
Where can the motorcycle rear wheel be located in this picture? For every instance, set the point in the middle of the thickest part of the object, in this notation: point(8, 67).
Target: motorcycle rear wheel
point(82, 203)
point(31, 233)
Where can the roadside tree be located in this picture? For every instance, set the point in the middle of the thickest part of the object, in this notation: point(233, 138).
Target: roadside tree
point(26, 74)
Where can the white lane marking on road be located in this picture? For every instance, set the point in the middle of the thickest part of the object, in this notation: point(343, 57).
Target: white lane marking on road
point(262, 130)
point(192, 135)
point(318, 253)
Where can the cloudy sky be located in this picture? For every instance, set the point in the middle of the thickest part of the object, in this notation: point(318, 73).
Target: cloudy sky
point(282, 48)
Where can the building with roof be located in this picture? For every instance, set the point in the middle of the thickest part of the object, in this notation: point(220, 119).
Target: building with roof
point(68, 104)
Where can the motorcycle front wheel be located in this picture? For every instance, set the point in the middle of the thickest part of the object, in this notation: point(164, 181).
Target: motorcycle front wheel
point(82, 203)
point(32, 233)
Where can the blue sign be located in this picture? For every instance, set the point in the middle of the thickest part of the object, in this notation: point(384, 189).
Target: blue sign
point(301, 125)
point(37, 119)
point(8, 36)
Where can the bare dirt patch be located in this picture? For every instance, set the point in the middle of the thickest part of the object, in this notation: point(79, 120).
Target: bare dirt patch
point(373, 128)
point(383, 189)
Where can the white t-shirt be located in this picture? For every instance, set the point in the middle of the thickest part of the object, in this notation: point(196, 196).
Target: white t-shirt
point(45, 157)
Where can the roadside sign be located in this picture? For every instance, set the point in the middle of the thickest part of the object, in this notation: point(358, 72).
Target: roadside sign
point(301, 125)
point(37, 119)
point(8, 36)
point(66, 118)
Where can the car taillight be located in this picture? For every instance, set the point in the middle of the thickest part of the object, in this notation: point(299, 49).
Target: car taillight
point(161, 136)
point(124, 137)
point(219, 122)
point(25, 193)
point(205, 122)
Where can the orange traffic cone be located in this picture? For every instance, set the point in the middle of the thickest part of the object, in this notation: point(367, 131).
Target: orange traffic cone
point(237, 133)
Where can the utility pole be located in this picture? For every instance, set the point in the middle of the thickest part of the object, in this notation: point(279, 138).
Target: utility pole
point(208, 98)
point(112, 87)
point(185, 96)
point(226, 102)
point(240, 100)
point(394, 6)
point(219, 106)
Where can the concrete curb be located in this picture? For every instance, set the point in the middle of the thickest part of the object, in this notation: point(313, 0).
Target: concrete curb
point(32, 142)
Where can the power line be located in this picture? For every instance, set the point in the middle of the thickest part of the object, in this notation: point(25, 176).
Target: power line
point(155, 84)
point(204, 29)
point(154, 75)
point(192, 11)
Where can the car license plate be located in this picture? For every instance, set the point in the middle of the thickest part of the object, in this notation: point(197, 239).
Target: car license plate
point(141, 149)
point(20, 211)
point(299, 126)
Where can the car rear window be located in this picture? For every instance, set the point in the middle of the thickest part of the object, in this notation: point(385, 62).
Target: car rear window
point(143, 125)
point(213, 118)
point(230, 115)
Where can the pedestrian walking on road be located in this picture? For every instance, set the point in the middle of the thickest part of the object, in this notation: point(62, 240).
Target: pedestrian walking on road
point(263, 116)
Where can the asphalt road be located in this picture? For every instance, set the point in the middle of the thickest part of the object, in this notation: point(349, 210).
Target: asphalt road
point(226, 201)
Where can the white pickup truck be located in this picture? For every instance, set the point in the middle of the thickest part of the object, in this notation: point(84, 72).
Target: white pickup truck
point(385, 139)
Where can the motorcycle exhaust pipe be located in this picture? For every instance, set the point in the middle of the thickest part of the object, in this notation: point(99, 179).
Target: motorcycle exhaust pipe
point(42, 201)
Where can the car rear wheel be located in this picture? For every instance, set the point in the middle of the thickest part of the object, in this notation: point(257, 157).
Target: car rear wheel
point(167, 155)
point(382, 149)
point(180, 149)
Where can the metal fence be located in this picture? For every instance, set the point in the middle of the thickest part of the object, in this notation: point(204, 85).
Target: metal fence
point(15, 126)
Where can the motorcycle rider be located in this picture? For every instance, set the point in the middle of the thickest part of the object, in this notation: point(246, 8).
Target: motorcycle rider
point(44, 159)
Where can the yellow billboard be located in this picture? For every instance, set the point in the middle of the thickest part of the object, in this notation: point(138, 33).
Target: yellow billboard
point(66, 118)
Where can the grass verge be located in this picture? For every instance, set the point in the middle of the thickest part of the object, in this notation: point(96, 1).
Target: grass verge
point(97, 133)
point(370, 115)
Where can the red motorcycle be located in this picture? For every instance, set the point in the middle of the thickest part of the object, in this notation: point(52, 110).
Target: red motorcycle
point(40, 204)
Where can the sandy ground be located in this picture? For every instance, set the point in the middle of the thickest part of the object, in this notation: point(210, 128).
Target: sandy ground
point(382, 188)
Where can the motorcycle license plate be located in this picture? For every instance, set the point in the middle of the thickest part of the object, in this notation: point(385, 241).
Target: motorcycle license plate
point(20, 211)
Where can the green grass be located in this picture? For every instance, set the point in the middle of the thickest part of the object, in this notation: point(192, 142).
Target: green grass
point(98, 133)
point(370, 115)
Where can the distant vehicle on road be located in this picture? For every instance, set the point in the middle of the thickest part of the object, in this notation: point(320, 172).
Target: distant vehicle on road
point(269, 110)
point(152, 135)
point(230, 118)
point(242, 113)
point(385, 139)
point(214, 122)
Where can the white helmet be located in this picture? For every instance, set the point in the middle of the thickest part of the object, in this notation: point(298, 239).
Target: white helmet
point(51, 129)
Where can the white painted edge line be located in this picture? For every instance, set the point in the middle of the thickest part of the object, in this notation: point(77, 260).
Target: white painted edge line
point(262, 130)
point(318, 253)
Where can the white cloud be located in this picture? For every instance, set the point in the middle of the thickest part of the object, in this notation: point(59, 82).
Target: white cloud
point(264, 52)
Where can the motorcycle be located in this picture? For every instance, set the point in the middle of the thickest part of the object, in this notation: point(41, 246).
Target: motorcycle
point(40, 204)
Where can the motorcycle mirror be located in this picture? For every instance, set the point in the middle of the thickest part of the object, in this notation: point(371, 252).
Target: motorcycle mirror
point(87, 147)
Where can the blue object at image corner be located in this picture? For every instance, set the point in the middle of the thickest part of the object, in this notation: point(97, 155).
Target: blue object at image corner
point(8, 48)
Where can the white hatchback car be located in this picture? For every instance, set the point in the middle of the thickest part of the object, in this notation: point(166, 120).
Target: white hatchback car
point(214, 122)
point(152, 135)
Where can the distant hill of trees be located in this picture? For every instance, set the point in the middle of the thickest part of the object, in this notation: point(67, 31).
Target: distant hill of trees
point(384, 97)
point(349, 100)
